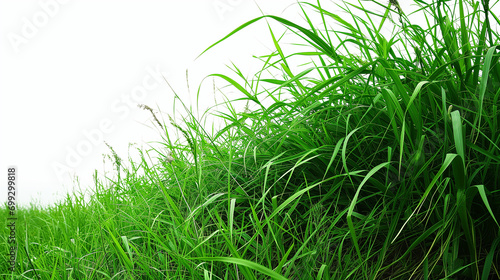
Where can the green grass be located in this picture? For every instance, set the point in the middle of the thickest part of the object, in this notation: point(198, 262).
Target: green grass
point(359, 156)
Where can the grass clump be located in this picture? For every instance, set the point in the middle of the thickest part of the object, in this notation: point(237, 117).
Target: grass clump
point(376, 158)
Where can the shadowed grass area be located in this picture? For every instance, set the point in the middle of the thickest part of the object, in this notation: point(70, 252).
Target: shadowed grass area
point(358, 155)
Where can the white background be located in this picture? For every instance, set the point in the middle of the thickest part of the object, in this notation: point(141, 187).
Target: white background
point(72, 72)
point(67, 66)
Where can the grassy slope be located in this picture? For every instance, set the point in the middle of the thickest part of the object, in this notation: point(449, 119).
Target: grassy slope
point(382, 163)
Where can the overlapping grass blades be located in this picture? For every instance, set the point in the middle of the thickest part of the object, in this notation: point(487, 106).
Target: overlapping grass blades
point(430, 92)
point(360, 156)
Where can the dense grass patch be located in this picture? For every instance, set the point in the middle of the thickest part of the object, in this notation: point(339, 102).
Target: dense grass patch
point(359, 156)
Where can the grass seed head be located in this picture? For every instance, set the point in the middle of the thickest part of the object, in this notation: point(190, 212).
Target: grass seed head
point(146, 107)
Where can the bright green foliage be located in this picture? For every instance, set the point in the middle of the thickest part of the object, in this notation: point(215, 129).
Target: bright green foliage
point(377, 158)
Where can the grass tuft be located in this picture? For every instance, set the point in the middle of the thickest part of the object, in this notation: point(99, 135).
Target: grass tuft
point(358, 155)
